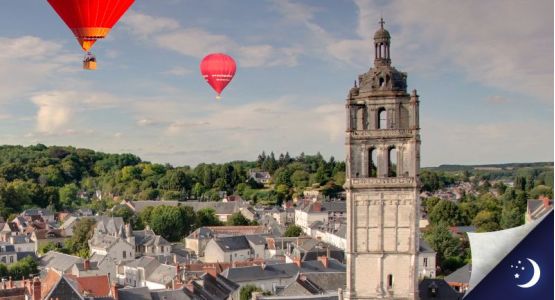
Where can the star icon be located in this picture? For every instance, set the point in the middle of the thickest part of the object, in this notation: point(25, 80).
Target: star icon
point(523, 268)
point(517, 276)
point(519, 262)
point(512, 266)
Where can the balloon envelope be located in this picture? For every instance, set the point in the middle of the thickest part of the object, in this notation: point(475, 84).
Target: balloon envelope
point(90, 20)
point(218, 70)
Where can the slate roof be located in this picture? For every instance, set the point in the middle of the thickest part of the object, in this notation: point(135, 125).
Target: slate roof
point(148, 238)
point(335, 206)
point(105, 264)
point(461, 275)
point(287, 270)
point(37, 212)
point(110, 225)
point(140, 293)
point(214, 288)
point(232, 243)
point(256, 239)
point(178, 294)
point(425, 247)
point(58, 261)
point(163, 274)
point(436, 289)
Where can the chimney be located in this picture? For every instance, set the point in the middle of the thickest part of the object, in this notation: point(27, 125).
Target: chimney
point(36, 289)
point(297, 261)
point(317, 206)
point(86, 264)
point(114, 291)
point(324, 260)
point(546, 201)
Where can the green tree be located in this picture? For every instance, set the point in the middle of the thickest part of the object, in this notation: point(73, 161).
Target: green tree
point(50, 247)
point(68, 195)
point(247, 290)
point(541, 190)
point(445, 211)
point(237, 219)
point(207, 217)
point(23, 268)
point(443, 242)
point(293, 231)
point(77, 244)
point(511, 216)
point(167, 222)
point(124, 212)
point(486, 221)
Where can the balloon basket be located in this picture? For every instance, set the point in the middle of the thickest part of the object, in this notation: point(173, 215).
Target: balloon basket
point(89, 65)
point(218, 97)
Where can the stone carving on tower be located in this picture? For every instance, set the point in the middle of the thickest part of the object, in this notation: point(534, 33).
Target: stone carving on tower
point(382, 185)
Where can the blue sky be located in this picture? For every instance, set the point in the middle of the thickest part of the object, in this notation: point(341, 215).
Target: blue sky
point(484, 71)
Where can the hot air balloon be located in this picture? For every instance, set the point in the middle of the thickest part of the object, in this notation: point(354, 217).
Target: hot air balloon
point(218, 70)
point(90, 20)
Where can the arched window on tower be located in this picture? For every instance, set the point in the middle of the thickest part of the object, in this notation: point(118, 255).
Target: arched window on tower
point(392, 162)
point(390, 281)
point(372, 162)
point(382, 118)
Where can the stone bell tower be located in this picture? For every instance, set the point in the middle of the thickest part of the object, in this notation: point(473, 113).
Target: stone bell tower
point(383, 161)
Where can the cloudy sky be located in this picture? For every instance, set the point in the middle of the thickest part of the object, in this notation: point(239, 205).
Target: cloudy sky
point(484, 70)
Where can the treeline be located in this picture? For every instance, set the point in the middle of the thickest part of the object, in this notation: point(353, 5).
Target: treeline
point(497, 206)
point(68, 177)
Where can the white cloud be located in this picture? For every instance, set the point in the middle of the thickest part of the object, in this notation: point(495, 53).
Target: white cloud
point(198, 42)
point(145, 25)
point(512, 50)
point(486, 142)
point(28, 62)
point(178, 71)
point(58, 108)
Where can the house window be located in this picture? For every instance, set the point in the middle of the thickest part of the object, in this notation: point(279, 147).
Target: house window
point(425, 262)
point(124, 254)
point(11, 259)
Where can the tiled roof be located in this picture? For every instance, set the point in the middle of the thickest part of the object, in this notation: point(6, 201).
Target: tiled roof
point(96, 286)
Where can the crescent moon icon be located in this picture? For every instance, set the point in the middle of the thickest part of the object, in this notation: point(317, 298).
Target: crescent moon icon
point(535, 277)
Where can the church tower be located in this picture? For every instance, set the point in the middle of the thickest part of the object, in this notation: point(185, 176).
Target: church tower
point(382, 185)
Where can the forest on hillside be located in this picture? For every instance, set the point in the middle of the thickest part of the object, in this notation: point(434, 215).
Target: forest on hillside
point(68, 177)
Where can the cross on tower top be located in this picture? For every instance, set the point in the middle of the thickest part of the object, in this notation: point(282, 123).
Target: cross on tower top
point(382, 22)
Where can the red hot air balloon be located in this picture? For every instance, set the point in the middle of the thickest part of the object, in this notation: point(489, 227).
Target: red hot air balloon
point(218, 70)
point(90, 20)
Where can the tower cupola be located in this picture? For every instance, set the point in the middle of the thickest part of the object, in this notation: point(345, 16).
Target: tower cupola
point(382, 41)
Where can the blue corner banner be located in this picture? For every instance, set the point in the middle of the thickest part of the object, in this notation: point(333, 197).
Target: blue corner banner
point(526, 272)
